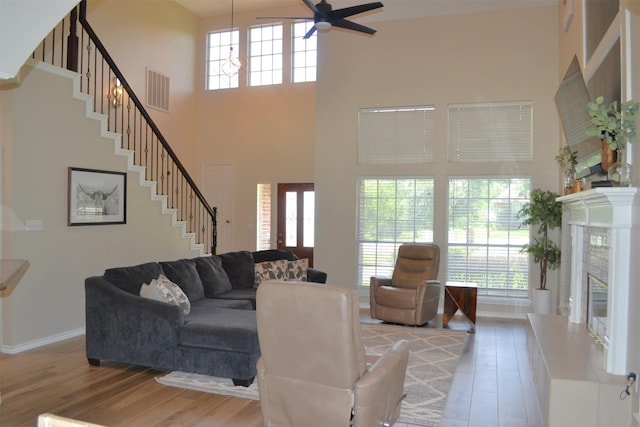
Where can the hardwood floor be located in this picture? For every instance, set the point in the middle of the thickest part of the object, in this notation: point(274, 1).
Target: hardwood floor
point(493, 384)
point(492, 387)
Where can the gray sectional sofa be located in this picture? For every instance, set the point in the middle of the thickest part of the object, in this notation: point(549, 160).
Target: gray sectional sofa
point(217, 337)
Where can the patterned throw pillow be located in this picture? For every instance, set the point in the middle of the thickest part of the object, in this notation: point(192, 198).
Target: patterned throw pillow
point(162, 289)
point(297, 270)
point(270, 270)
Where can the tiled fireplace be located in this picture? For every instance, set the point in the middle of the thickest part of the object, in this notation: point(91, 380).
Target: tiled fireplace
point(601, 222)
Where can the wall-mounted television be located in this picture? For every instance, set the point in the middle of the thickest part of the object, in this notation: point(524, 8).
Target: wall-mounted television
point(571, 99)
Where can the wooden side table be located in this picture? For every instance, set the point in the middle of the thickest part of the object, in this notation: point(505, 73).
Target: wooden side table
point(460, 296)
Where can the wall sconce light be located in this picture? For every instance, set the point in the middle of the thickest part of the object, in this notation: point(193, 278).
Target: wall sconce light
point(116, 93)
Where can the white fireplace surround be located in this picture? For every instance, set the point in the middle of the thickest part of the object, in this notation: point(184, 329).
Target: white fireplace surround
point(612, 209)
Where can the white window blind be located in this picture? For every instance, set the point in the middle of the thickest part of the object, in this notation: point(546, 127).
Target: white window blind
point(490, 132)
point(399, 135)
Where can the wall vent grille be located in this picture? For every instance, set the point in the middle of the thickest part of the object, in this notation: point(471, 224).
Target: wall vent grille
point(157, 90)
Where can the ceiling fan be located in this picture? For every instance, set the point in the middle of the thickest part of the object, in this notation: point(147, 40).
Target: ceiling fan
point(324, 16)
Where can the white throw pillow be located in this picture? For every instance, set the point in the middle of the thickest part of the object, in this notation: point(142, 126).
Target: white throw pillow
point(162, 289)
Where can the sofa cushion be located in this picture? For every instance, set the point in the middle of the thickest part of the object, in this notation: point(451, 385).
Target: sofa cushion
point(221, 329)
point(270, 270)
point(297, 270)
point(130, 279)
point(183, 273)
point(162, 289)
point(214, 303)
point(240, 294)
point(239, 268)
point(273, 255)
point(214, 279)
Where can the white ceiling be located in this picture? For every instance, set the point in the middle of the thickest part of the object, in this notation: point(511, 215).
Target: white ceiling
point(393, 9)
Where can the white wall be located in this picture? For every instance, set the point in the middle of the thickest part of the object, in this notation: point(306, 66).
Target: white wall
point(159, 35)
point(23, 25)
point(500, 56)
point(49, 133)
point(266, 134)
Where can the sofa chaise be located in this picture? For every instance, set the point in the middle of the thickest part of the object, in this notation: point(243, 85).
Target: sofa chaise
point(212, 331)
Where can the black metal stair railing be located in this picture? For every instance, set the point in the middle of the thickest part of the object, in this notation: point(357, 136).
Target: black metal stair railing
point(85, 54)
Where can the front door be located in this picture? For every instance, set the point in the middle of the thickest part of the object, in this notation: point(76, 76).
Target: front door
point(296, 219)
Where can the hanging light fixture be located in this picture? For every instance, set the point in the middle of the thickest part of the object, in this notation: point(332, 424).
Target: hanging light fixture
point(232, 64)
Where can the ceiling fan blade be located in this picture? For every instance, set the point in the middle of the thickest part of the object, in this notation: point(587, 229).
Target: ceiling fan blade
point(310, 32)
point(354, 10)
point(348, 25)
point(305, 18)
point(311, 6)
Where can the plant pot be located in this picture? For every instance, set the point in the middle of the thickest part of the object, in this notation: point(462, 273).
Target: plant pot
point(542, 301)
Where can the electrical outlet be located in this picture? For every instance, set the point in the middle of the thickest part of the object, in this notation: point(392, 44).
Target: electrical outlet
point(35, 225)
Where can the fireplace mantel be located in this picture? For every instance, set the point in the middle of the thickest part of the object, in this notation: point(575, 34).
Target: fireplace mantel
point(612, 209)
point(609, 207)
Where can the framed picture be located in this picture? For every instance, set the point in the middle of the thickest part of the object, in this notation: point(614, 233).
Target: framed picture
point(97, 197)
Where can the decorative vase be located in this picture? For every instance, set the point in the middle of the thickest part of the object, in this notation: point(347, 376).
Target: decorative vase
point(542, 301)
point(620, 172)
point(568, 182)
point(607, 156)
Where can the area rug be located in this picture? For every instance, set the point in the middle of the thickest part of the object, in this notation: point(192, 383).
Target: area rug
point(434, 355)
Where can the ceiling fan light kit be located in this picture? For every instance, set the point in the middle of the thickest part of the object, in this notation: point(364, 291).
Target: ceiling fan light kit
point(322, 26)
point(324, 17)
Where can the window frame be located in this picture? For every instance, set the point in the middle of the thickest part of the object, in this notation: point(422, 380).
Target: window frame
point(269, 64)
point(225, 51)
point(386, 248)
point(310, 46)
point(513, 249)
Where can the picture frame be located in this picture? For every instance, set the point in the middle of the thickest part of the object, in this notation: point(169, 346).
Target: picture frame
point(96, 197)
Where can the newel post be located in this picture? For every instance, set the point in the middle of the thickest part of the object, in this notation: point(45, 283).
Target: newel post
point(72, 41)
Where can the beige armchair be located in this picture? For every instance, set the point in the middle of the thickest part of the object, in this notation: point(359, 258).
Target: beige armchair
point(411, 296)
point(313, 369)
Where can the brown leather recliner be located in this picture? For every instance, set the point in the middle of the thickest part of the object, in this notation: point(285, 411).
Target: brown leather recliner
point(411, 296)
point(313, 369)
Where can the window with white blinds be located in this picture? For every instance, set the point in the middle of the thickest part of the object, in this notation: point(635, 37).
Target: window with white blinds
point(491, 132)
point(485, 237)
point(398, 135)
point(391, 211)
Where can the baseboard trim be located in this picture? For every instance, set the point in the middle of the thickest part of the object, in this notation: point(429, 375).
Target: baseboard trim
point(15, 349)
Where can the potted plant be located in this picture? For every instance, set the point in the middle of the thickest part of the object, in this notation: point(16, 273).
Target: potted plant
point(544, 212)
point(567, 160)
point(614, 127)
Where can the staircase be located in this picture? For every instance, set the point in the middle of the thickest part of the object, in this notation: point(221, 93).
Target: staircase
point(79, 50)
